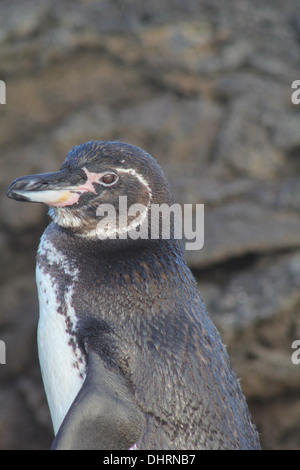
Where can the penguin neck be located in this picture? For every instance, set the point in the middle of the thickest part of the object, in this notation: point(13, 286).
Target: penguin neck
point(119, 247)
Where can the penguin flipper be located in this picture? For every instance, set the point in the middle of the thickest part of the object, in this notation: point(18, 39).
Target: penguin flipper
point(103, 415)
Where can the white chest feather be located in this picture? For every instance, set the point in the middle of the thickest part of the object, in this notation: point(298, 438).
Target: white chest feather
point(62, 363)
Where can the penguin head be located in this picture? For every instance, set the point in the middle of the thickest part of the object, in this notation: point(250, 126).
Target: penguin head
point(95, 176)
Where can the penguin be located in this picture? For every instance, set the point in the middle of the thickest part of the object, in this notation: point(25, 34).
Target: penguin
point(129, 357)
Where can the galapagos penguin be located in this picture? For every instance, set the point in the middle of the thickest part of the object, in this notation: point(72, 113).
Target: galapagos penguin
point(128, 353)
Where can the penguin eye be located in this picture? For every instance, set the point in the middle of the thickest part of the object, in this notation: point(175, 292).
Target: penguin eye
point(109, 179)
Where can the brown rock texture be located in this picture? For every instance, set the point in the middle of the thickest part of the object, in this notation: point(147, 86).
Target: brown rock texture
point(205, 87)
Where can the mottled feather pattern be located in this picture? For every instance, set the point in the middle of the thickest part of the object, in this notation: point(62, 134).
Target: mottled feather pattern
point(162, 339)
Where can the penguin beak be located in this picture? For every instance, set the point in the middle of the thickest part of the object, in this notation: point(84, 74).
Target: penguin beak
point(59, 189)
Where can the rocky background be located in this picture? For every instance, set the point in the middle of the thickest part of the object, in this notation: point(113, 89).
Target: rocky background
point(205, 87)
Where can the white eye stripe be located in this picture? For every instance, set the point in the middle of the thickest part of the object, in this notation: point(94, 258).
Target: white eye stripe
point(70, 217)
point(139, 177)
